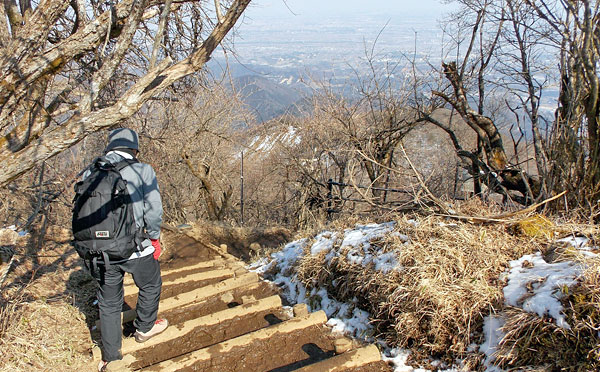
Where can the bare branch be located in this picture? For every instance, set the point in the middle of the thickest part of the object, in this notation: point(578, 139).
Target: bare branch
point(218, 10)
point(102, 76)
point(83, 123)
point(160, 32)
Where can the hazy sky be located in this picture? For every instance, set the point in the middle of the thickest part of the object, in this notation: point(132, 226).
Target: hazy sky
point(324, 8)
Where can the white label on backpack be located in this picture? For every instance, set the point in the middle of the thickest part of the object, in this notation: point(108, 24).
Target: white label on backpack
point(102, 234)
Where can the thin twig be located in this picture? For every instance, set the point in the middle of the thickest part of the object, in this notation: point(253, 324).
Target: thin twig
point(504, 217)
point(437, 201)
point(218, 10)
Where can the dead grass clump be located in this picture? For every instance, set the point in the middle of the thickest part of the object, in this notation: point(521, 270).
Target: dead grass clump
point(536, 226)
point(477, 207)
point(42, 337)
point(45, 304)
point(9, 310)
point(449, 280)
point(244, 243)
point(531, 340)
point(445, 281)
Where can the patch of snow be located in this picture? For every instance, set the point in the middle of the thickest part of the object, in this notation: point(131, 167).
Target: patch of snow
point(385, 262)
point(404, 238)
point(581, 243)
point(575, 241)
point(399, 358)
point(492, 330)
point(293, 291)
point(323, 242)
point(359, 240)
point(363, 234)
point(259, 266)
point(14, 228)
point(343, 317)
point(287, 81)
point(289, 255)
point(266, 145)
point(288, 311)
point(546, 280)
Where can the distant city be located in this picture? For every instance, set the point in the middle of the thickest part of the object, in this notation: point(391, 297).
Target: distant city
point(330, 48)
point(294, 53)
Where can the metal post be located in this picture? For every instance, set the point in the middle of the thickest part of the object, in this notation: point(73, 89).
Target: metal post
point(329, 197)
point(242, 190)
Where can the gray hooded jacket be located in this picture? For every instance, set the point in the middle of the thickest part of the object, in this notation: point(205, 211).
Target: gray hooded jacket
point(146, 202)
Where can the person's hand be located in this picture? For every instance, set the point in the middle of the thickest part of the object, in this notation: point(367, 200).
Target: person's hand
point(157, 250)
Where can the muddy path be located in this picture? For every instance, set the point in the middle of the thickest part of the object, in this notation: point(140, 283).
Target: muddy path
point(224, 319)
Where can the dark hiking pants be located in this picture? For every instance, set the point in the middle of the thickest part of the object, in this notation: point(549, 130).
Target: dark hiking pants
point(146, 275)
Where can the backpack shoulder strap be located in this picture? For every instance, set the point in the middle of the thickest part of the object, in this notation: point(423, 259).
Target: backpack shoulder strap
point(125, 163)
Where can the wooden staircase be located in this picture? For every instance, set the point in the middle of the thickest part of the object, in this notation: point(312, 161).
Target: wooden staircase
point(223, 318)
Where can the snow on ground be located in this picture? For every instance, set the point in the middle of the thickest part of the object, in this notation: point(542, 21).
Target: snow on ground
point(492, 329)
point(533, 284)
point(546, 280)
point(14, 228)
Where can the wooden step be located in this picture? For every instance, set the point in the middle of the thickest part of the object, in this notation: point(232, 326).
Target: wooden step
point(352, 359)
point(239, 344)
point(219, 262)
point(132, 289)
point(204, 331)
point(219, 302)
point(196, 295)
point(173, 332)
point(202, 293)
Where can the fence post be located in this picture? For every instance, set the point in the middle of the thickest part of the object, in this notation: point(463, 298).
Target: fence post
point(329, 198)
point(242, 191)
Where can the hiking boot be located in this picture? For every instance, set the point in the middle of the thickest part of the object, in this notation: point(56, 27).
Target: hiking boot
point(159, 326)
point(102, 366)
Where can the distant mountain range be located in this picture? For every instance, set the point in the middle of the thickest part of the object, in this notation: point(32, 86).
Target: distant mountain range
point(268, 99)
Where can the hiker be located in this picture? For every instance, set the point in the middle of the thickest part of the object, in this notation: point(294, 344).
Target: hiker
point(144, 199)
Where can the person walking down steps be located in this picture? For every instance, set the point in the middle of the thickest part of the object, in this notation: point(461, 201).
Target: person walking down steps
point(117, 216)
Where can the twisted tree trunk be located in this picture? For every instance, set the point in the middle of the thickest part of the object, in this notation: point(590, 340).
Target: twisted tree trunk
point(497, 167)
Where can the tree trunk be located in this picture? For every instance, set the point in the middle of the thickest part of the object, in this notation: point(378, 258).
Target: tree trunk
point(21, 70)
point(509, 177)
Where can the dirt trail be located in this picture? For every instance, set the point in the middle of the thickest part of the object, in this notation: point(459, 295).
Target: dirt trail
point(224, 319)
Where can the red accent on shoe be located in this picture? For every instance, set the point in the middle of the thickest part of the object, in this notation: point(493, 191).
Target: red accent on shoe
point(159, 326)
point(102, 366)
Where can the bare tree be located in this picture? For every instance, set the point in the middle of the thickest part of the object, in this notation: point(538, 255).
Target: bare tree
point(480, 64)
point(59, 60)
point(193, 147)
point(522, 66)
point(531, 38)
point(575, 140)
point(375, 121)
point(500, 174)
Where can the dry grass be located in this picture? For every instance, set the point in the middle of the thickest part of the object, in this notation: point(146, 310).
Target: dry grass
point(42, 337)
point(531, 340)
point(46, 307)
point(447, 283)
point(449, 280)
point(244, 243)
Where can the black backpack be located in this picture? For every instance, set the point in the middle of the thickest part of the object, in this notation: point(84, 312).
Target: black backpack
point(103, 221)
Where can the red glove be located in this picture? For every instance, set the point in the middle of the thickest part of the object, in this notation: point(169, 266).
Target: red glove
point(157, 250)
